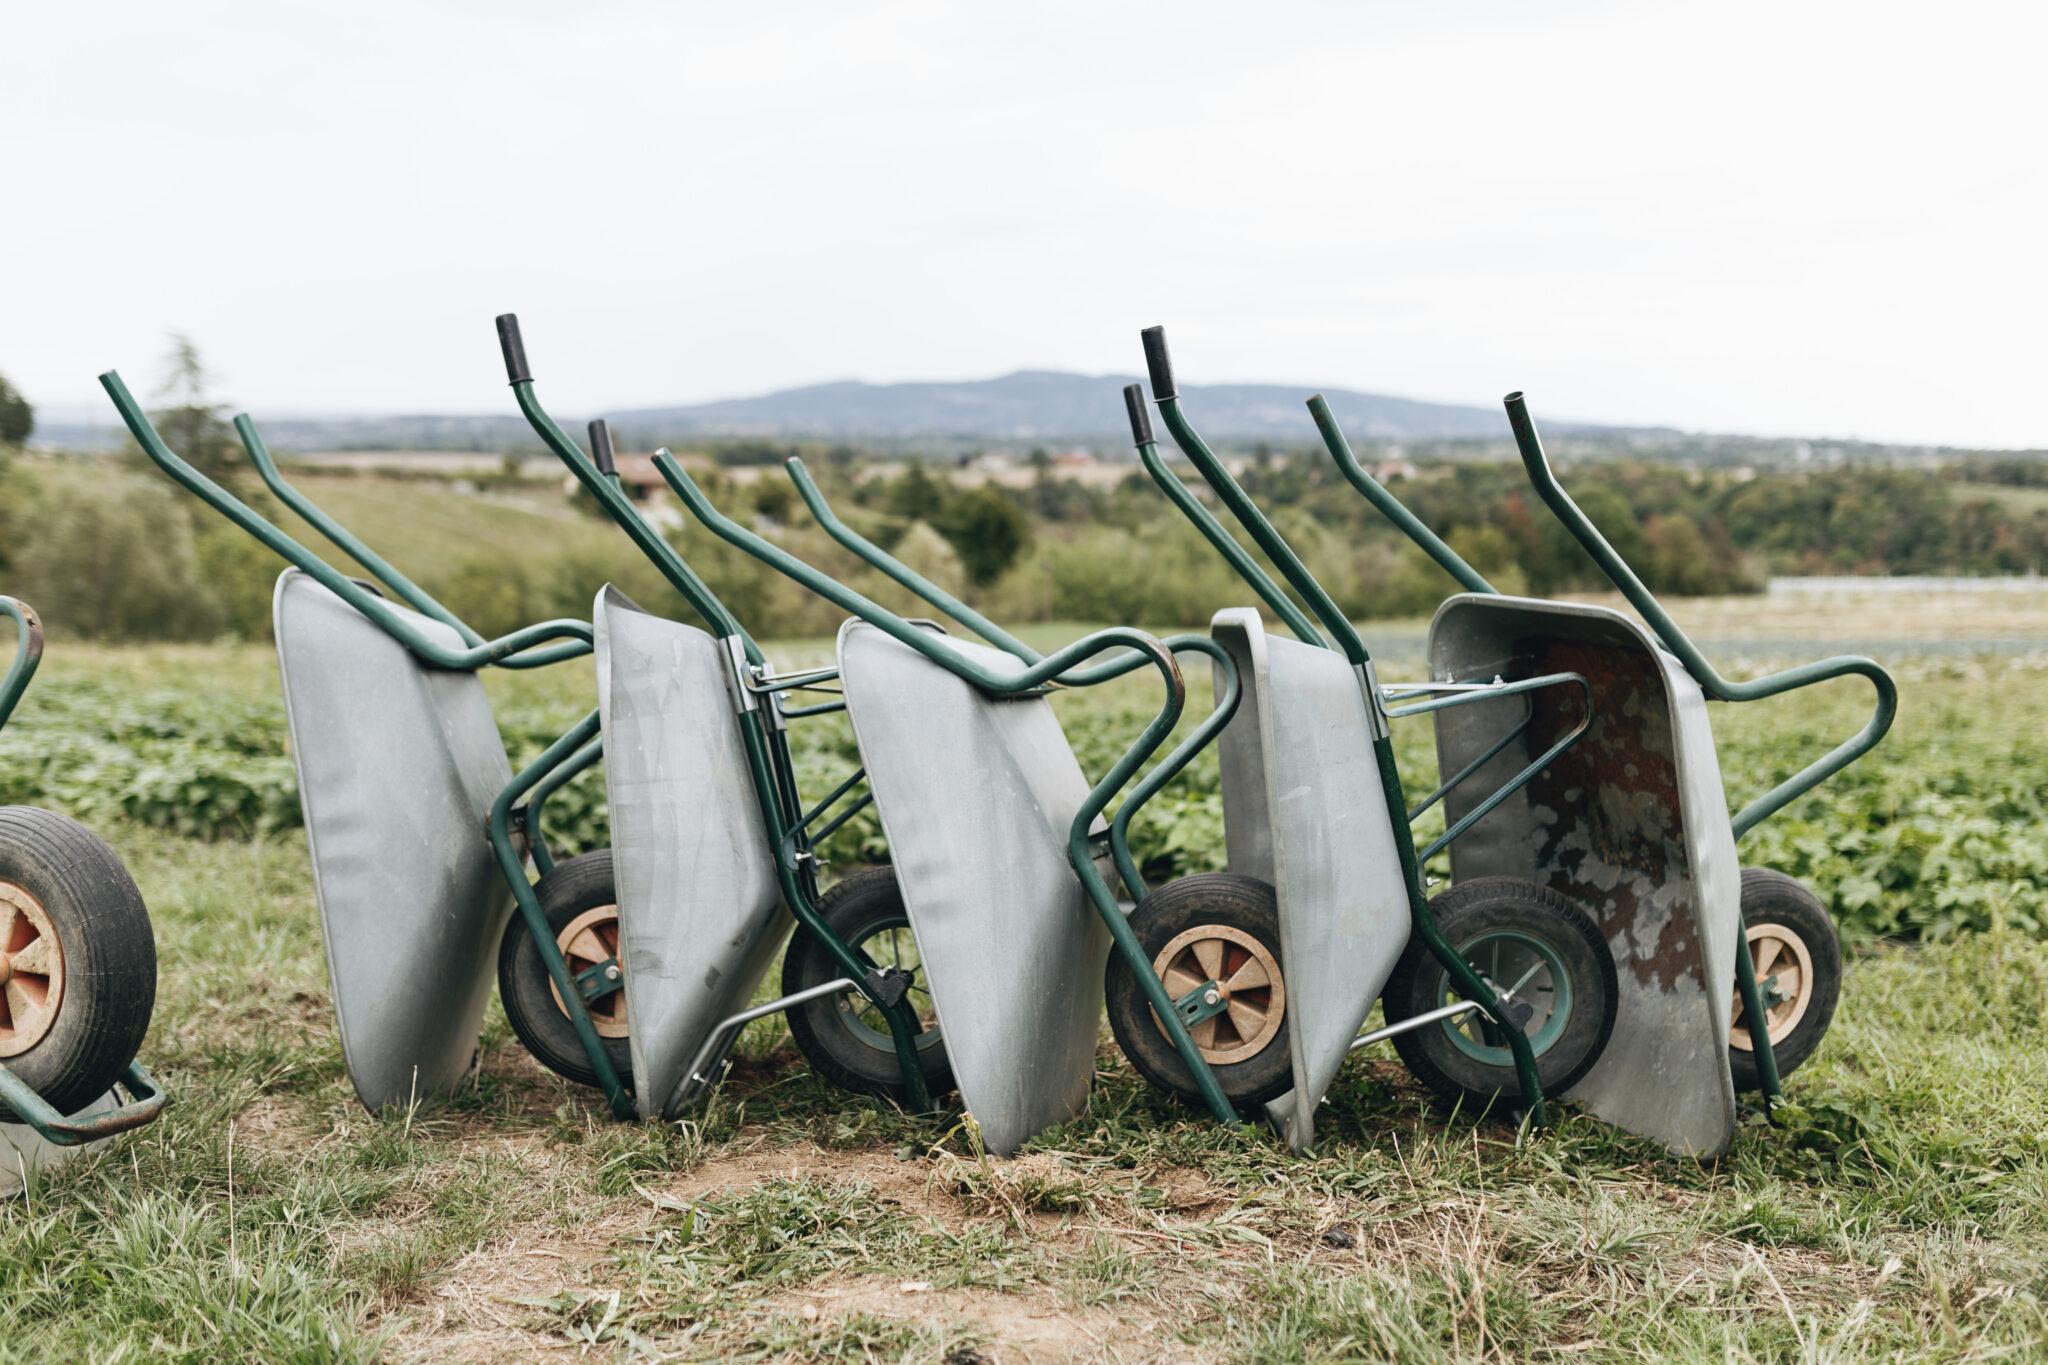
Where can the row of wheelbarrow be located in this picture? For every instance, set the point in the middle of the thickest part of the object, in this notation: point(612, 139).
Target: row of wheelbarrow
point(1597, 939)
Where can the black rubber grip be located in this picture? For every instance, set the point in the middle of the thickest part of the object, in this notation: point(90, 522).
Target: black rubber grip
point(514, 347)
point(1141, 416)
point(601, 447)
point(1158, 362)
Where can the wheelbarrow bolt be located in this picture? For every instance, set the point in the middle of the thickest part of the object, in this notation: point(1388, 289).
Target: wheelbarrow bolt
point(888, 985)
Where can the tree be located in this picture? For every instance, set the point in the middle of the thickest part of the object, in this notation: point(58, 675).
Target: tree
point(987, 531)
point(774, 499)
point(189, 420)
point(916, 494)
point(17, 418)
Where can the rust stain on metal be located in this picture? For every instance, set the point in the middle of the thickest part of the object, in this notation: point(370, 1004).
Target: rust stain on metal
point(1613, 839)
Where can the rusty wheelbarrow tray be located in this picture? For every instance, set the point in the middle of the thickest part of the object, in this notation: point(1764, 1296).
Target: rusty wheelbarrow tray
point(1634, 820)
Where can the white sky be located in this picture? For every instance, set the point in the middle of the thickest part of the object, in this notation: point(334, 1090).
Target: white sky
point(1783, 218)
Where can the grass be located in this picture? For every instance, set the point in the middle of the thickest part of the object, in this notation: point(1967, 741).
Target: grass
point(2018, 499)
point(1901, 1208)
point(1898, 1210)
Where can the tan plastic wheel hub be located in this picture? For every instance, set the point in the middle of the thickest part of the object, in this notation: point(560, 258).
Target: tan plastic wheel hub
point(593, 937)
point(1249, 987)
point(31, 971)
point(1775, 951)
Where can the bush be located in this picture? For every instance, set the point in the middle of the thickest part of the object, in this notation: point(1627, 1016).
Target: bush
point(122, 565)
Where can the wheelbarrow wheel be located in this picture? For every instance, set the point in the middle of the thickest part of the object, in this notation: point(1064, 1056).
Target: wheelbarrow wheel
point(1546, 957)
point(582, 909)
point(1220, 932)
point(1798, 961)
point(77, 960)
point(844, 1037)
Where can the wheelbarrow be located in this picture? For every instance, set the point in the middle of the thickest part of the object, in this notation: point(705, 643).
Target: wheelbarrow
point(712, 856)
point(77, 971)
point(1731, 974)
point(1019, 1037)
point(1499, 990)
point(418, 838)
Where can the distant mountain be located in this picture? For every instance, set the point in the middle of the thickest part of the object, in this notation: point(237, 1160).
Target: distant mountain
point(1028, 407)
point(1046, 405)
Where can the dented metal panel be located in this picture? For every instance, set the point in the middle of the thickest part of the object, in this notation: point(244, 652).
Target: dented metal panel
point(1299, 761)
point(700, 914)
point(977, 797)
point(1630, 823)
point(398, 766)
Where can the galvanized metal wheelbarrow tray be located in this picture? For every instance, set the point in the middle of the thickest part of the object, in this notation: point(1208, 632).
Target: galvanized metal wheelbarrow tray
point(1633, 822)
point(1312, 800)
point(983, 802)
point(42, 1135)
point(700, 912)
point(401, 771)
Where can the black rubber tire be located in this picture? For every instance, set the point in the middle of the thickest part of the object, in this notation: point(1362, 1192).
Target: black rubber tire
point(579, 884)
point(109, 951)
point(859, 905)
point(1464, 914)
point(1773, 898)
point(1223, 898)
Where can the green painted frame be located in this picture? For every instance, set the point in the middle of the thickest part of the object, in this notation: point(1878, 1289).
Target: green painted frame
point(28, 654)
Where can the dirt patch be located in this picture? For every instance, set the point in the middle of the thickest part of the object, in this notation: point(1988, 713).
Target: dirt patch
point(906, 1184)
point(277, 1125)
point(1004, 1328)
point(485, 1306)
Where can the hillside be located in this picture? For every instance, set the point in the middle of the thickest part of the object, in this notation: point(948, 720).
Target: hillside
point(1047, 405)
point(1025, 407)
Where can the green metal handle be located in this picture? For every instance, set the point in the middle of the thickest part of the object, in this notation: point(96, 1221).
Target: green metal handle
point(620, 509)
point(1262, 531)
point(146, 1099)
point(1031, 677)
point(1390, 506)
point(28, 654)
point(878, 558)
point(343, 539)
point(1212, 725)
point(1710, 680)
point(574, 637)
point(1276, 600)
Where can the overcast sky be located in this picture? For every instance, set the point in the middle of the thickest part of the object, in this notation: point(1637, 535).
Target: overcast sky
point(1776, 218)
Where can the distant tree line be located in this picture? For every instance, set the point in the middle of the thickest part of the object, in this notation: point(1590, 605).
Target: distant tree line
point(118, 554)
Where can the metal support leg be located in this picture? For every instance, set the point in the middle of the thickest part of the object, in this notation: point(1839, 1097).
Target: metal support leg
point(1754, 1014)
point(536, 919)
point(709, 1063)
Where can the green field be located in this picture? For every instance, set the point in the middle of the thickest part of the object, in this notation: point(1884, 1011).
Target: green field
point(1900, 1210)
